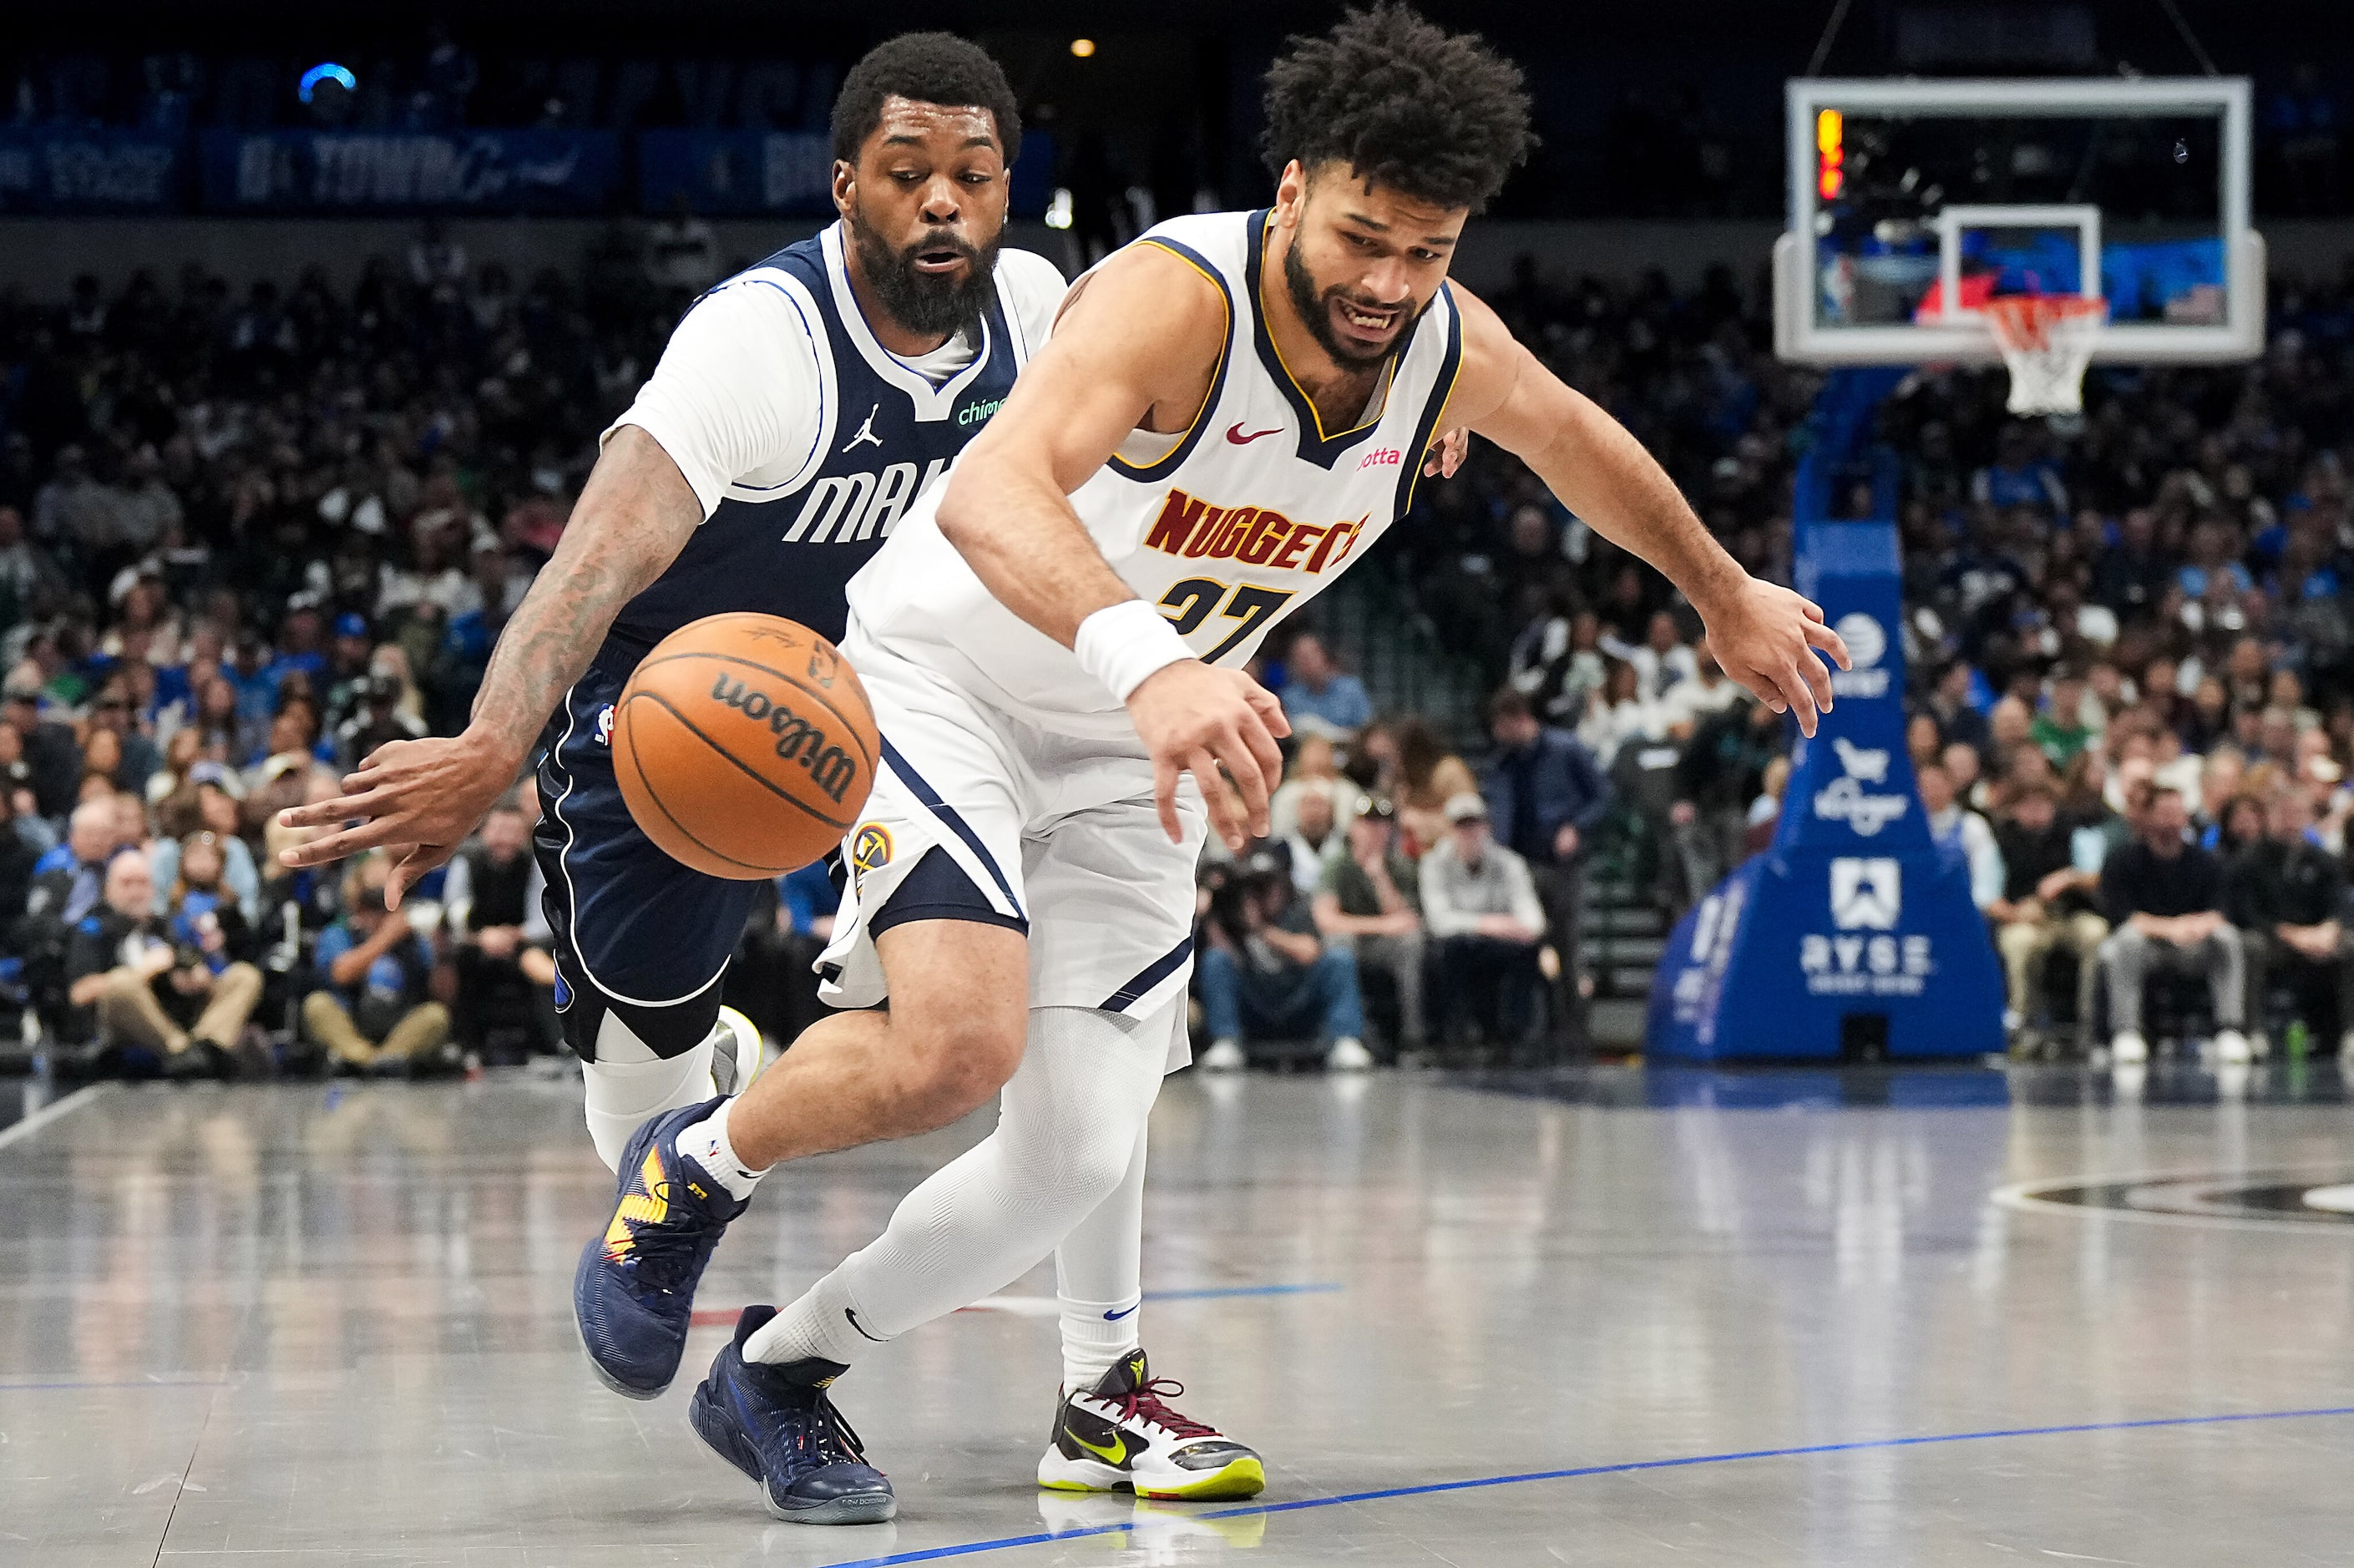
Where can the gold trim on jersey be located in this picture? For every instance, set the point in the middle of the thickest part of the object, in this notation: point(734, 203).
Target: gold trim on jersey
point(1166, 464)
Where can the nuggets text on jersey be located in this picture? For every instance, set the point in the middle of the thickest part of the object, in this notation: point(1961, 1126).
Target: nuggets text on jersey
point(1254, 536)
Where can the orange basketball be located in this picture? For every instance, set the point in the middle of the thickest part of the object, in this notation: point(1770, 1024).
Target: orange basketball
point(745, 746)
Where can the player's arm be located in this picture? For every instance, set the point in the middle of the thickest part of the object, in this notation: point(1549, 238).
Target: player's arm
point(1763, 634)
point(736, 390)
point(1137, 344)
point(635, 515)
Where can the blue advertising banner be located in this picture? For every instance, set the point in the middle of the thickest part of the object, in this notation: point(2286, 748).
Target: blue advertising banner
point(1854, 931)
point(410, 171)
point(91, 171)
point(783, 173)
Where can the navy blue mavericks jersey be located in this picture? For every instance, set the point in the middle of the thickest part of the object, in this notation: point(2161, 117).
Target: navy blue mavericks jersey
point(884, 434)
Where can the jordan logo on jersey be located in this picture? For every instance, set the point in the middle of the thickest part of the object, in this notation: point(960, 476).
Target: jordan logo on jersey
point(1256, 536)
point(867, 436)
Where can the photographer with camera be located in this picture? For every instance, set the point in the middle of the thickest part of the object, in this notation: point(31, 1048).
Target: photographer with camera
point(377, 720)
point(1266, 970)
point(372, 1008)
point(171, 985)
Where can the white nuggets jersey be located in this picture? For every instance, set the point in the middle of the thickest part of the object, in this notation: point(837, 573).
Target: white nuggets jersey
point(1227, 526)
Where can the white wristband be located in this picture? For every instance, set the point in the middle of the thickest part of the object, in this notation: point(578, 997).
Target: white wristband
point(1122, 644)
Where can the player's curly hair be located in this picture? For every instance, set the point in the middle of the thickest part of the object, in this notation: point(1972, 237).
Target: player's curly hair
point(1438, 116)
point(929, 67)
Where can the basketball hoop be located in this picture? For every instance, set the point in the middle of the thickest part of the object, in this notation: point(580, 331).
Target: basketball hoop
point(2047, 340)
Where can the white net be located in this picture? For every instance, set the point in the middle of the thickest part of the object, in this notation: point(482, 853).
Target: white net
point(2047, 340)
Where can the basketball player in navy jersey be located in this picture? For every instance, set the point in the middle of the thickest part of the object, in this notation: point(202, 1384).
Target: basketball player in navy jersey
point(799, 410)
point(1230, 413)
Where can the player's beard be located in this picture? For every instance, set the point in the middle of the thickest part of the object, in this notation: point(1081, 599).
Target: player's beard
point(1314, 306)
point(921, 303)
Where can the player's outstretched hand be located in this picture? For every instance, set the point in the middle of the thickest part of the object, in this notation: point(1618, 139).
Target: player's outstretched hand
point(1765, 637)
point(419, 798)
point(1195, 718)
point(1447, 453)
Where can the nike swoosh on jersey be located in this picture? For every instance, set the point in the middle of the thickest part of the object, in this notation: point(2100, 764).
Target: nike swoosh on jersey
point(1116, 1317)
point(1235, 433)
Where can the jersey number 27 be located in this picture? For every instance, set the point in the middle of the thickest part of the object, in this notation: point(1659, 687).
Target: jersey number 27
point(1189, 604)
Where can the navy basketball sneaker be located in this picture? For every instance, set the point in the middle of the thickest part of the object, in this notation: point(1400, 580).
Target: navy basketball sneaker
point(634, 1293)
point(1121, 1436)
point(776, 1425)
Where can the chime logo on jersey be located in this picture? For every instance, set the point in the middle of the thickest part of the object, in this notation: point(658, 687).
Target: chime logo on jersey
point(1256, 536)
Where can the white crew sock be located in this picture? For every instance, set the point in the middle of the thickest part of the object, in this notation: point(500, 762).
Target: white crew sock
point(825, 1323)
point(628, 1082)
point(1099, 1274)
point(1066, 1135)
point(706, 1144)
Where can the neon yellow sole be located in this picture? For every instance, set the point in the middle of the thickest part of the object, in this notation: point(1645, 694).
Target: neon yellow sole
point(1242, 1478)
point(1071, 1486)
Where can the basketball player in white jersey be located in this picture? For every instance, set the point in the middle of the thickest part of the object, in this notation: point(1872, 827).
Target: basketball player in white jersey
point(1230, 411)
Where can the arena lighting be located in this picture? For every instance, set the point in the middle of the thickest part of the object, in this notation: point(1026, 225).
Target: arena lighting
point(1830, 155)
point(1059, 210)
point(1083, 48)
point(326, 70)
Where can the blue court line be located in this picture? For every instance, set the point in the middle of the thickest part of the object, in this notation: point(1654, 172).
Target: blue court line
point(1213, 1292)
point(1004, 1543)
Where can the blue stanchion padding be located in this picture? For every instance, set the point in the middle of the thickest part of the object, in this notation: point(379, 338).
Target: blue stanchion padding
point(1854, 926)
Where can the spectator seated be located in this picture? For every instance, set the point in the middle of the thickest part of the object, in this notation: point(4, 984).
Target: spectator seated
point(372, 1009)
point(159, 990)
point(2163, 899)
point(1367, 904)
point(503, 950)
point(1480, 905)
point(1266, 977)
point(2286, 895)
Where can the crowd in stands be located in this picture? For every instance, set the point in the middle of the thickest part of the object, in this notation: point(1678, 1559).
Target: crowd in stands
point(243, 542)
point(2127, 633)
point(245, 539)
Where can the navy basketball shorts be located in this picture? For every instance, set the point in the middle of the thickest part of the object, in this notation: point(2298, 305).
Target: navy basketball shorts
point(637, 935)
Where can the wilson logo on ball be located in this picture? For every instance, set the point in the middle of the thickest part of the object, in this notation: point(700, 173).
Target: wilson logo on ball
point(830, 769)
point(744, 746)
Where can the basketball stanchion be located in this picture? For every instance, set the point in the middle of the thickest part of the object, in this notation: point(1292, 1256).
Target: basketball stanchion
point(2047, 341)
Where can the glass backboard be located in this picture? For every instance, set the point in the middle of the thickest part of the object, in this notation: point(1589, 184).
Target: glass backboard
point(1914, 203)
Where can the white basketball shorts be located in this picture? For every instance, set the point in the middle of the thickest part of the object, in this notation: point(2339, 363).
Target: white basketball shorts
point(1052, 835)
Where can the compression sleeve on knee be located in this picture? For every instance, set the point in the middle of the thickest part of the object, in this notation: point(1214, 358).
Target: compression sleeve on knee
point(1066, 1135)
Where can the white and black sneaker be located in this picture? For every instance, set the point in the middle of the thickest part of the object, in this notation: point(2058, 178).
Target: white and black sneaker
point(1120, 1436)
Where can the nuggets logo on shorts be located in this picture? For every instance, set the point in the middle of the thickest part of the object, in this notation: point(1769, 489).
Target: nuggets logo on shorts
point(605, 725)
point(870, 849)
